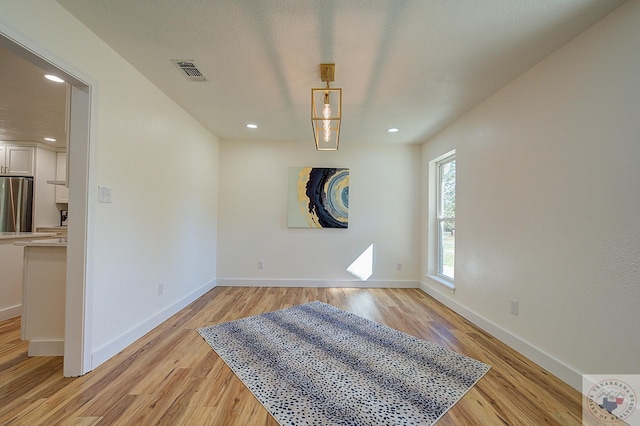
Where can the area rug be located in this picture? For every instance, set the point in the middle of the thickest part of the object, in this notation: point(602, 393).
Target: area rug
point(315, 364)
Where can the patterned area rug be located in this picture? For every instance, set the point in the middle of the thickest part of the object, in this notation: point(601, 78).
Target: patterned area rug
point(315, 364)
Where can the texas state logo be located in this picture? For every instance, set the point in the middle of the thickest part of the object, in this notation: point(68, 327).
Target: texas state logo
point(611, 400)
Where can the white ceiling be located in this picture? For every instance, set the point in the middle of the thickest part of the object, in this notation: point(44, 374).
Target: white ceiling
point(31, 107)
point(412, 64)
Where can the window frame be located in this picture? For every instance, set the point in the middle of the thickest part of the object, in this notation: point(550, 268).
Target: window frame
point(435, 219)
point(440, 218)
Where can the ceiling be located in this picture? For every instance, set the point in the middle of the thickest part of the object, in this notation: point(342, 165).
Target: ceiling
point(31, 107)
point(413, 64)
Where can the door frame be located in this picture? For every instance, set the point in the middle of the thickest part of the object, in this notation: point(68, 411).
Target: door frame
point(77, 346)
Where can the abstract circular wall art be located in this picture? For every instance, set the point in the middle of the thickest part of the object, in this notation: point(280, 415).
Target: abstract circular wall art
point(318, 197)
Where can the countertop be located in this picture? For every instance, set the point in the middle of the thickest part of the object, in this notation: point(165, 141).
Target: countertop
point(25, 235)
point(48, 242)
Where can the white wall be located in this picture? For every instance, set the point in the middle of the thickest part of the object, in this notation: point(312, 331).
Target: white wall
point(548, 207)
point(383, 210)
point(162, 167)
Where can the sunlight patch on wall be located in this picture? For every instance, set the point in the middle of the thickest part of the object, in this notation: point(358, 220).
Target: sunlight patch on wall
point(362, 267)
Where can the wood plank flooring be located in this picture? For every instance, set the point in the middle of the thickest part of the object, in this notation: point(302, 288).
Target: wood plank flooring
point(172, 377)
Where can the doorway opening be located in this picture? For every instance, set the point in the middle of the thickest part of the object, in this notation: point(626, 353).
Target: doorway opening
point(77, 354)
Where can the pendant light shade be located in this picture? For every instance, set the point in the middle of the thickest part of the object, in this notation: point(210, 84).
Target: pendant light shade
point(326, 112)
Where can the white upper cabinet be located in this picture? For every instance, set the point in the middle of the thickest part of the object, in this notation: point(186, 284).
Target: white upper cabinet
point(62, 192)
point(16, 160)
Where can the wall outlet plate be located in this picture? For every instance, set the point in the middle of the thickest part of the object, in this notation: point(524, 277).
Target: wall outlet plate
point(515, 307)
point(104, 194)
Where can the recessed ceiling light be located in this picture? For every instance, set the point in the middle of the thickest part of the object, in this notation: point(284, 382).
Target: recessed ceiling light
point(252, 126)
point(53, 78)
point(50, 139)
point(393, 130)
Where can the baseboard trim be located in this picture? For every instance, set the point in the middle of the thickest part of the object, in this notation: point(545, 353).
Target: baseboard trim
point(543, 359)
point(113, 347)
point(46, 347)
point(10, 312)
point(253, 282)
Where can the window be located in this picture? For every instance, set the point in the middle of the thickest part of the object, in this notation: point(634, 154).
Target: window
point(446, 216)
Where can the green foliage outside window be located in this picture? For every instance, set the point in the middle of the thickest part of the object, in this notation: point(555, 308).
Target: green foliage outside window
point(448, 194)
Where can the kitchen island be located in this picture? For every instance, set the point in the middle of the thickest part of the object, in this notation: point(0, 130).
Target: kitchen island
point(11, 258)
point(43, 295)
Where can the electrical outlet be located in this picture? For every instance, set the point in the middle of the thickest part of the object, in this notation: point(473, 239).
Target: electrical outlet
point(104, 194)
point(399, 266)
point(160, 289)
point(515, 308)
point(260, 264)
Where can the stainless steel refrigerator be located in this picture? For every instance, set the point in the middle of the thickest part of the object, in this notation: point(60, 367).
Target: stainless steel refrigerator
point(16, 204)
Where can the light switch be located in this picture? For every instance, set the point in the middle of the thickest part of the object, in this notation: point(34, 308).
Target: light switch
point(104, 194)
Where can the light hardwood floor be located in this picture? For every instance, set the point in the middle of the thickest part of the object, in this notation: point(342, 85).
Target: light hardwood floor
point(172, 377)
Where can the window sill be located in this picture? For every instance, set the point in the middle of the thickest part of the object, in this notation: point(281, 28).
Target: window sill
point(442, 282)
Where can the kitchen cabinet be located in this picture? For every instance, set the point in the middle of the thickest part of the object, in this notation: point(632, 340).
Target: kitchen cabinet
point(45, 210)
point(62, 192)
point(44, 293)
point(10, 279)
point(16, 160)
point(11, 262)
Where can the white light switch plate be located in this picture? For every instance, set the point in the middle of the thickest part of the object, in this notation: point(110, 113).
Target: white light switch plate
point(104, 194)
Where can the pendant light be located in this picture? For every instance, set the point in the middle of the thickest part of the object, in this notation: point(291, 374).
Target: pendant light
point(326, 111)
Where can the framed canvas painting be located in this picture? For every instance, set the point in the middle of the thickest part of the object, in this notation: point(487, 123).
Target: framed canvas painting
point(318, 197)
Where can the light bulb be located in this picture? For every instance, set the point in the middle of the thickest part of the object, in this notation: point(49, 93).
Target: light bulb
point(326, 111)
point(326, 124)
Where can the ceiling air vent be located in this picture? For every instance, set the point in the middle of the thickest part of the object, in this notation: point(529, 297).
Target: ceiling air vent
point(189, 69)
